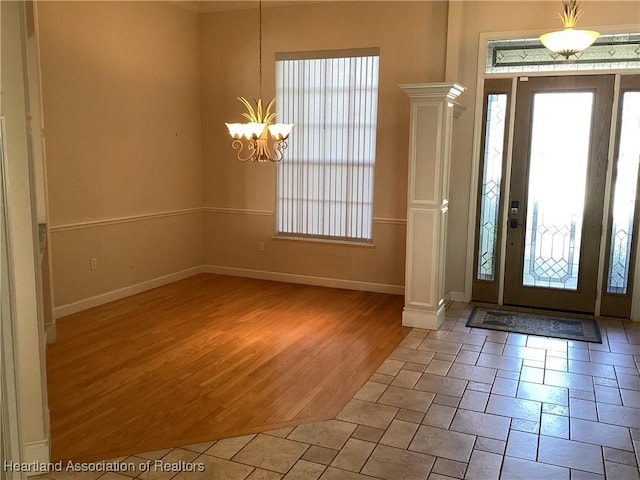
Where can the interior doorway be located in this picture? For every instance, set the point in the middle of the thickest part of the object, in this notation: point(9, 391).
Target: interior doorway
point(557, 206)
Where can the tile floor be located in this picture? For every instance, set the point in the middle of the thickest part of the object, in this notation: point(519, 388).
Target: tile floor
point(446, 404)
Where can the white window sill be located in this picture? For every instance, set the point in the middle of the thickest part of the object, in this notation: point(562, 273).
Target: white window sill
point(350, 243)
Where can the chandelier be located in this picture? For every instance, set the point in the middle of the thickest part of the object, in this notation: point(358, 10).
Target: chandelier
point(260, 139)
point(569, 41)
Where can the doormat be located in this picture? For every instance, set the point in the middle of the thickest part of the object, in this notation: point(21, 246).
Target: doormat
point(583, 329)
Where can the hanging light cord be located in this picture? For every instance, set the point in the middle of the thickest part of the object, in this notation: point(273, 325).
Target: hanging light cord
point(260, 46)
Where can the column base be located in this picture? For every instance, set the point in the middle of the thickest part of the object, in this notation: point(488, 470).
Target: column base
point(427, 319)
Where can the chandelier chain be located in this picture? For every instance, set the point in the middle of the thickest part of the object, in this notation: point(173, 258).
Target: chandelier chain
point(260, 139)
point(260, 47)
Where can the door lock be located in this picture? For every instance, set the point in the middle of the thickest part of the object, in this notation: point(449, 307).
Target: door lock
point(515, 209)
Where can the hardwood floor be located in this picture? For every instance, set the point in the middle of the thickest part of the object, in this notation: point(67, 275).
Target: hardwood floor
point(211, 357)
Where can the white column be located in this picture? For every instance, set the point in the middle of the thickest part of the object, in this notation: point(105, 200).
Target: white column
point(433, 106)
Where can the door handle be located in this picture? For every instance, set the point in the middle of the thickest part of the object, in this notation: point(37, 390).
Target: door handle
point(513, 223)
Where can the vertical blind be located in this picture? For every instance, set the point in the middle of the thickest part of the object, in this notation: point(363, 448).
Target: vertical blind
point(325, 181)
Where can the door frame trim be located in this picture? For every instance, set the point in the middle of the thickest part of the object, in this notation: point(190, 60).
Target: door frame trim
point(484, 38)
point(11, 427)
point(607, 194)
point(502, 246)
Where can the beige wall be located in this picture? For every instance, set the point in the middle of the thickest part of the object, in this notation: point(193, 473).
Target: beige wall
point(128, 253)
point(122, 122)
point(411, 37)
point(136, 96)
point(501, 16)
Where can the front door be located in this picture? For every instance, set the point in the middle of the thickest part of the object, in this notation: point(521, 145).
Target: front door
point(557, 193)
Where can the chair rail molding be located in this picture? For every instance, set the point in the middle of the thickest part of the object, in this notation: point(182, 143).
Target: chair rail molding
point(433, 108)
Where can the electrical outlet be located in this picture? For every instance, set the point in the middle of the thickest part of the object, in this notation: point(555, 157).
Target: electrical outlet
point(93, 263)
point(261, 246)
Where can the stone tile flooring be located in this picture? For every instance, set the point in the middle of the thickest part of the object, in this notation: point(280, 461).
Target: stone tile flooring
point(446, 404)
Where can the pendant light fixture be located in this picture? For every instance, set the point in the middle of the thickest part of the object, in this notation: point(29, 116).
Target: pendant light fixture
point(260, 139)
point(569, 41)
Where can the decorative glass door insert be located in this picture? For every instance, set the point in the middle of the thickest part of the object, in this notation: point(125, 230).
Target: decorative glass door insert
point(560, 132)
point(624, 210)
point(495, 135)
point(491, 179)
point(624, 195)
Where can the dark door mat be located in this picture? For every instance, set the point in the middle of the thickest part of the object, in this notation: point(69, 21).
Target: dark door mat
point(583, 329)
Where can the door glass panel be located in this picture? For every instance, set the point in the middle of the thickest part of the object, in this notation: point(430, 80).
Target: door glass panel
point(491, 178)
point(560, 133)
point(624, 195)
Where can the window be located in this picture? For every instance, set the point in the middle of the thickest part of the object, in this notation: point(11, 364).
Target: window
point(489, 227)
point(325, 182)
point(495, 127)
point(624, 196)
point(528, 55)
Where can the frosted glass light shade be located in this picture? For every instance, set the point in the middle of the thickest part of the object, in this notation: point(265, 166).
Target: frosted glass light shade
point(568, 41)
point(254, 129)
point(236, 130)
point(246, 130)
point(281, 131)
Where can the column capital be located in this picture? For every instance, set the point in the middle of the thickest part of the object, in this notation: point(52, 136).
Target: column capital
point(445, 90)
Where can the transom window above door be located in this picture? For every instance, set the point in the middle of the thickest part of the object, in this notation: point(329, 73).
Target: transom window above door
point(528, 55)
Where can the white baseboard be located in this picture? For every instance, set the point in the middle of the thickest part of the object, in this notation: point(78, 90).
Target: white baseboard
point(426, 319)
point(306, 279)
point(36, 453)
point(51, 332)
point(107, 297)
